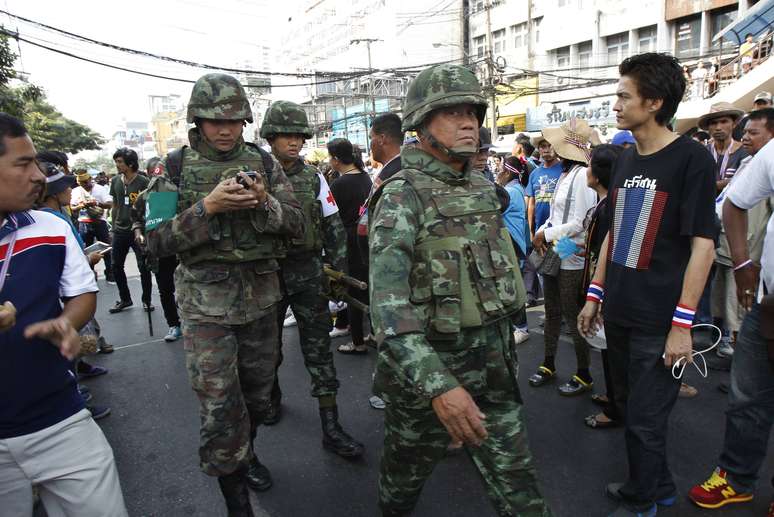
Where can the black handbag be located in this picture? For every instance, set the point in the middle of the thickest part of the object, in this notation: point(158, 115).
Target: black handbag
point(549, 263)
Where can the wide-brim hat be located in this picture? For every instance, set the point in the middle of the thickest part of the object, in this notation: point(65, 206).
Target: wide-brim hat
point(571, 140)
point(535, 140)
point(720, 109)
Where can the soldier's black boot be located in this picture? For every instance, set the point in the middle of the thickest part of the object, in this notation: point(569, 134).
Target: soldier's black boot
point(258, 476)
point(334, 437)
point(234, 489)
point(274, 413)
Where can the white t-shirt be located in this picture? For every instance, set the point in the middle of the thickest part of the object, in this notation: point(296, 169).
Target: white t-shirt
point(758, 184)
point(582, 199)
point(98, 193)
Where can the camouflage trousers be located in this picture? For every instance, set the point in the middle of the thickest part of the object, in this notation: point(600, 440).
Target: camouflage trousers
point(314, 326)
point(415, 440)
point(231, 369)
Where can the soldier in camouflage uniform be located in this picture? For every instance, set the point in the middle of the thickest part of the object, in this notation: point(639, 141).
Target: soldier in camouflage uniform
point(228, 237)
point(286, 127)
point(444, 282)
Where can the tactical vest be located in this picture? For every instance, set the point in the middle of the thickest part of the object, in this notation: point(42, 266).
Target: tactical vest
point(306, 188)
point(465, 267)
point(235, 236)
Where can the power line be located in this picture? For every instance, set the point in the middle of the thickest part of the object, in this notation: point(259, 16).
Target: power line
point(353, 75)
point(161, 57)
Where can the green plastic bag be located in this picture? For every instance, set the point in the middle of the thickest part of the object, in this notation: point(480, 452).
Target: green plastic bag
point(160, 207)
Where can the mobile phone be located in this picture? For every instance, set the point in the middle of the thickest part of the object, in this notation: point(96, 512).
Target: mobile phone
point(250, 174)
point(105, 251)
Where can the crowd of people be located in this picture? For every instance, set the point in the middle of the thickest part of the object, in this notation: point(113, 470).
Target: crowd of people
point(627, 244)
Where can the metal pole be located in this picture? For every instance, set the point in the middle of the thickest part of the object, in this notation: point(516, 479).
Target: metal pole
point(491, 67)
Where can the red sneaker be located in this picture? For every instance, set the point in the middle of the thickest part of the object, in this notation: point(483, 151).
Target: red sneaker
point(716, 492)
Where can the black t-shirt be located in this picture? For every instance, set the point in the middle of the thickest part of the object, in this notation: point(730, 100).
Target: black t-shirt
point(350, 192)
point(657, 204)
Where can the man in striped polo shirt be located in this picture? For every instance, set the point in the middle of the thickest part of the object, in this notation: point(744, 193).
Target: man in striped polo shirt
point(47, 293)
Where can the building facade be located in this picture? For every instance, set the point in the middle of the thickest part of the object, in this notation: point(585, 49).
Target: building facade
point(570, 50)
point(347, 36)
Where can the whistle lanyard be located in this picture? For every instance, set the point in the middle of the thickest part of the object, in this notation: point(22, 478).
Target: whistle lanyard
point(8, 253)
point(724, 163)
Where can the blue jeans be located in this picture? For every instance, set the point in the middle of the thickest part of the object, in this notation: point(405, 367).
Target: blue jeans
point(750, 412)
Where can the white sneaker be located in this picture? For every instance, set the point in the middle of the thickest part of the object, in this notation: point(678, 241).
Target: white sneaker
point(724, 349)
point(520, 336)
point(173, 335)
point(290, 321)
point(339, 332)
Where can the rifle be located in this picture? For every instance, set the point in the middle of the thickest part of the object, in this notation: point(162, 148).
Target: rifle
point(344, 279)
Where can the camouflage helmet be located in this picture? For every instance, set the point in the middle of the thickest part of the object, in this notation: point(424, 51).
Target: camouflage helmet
point(285, 117)
point(218, 97)
point(440, 86)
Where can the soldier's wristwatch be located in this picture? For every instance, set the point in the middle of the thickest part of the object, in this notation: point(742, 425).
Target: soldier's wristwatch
point(199, 210)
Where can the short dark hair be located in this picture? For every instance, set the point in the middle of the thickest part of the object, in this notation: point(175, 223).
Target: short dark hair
point(658, 76)
point(603, 158)
point(526, 144)
point(10, 127)
point(129, 156)
point(748, 35)
point(55, 157)
point(388, 124)
point(766, 114)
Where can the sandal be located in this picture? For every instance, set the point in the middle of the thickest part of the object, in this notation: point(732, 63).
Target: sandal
point(600, 400)
point(541, 377)
point(593, 422)
point(351, 349)
point(575, 386)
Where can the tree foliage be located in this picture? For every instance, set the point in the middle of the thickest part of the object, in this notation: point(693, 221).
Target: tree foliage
point(48, 128)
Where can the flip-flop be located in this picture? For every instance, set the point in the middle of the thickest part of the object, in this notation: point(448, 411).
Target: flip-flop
point(599, 400)
point(350, 349)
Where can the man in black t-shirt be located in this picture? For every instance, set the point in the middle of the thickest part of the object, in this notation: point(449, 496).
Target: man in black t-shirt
point(659, 251)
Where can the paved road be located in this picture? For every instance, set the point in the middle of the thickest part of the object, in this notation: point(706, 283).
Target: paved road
point(154, 424)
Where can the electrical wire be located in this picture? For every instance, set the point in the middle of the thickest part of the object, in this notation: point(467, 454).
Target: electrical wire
point(349, 76)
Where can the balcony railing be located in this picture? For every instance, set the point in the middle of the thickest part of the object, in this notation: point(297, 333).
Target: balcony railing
point(727, 73)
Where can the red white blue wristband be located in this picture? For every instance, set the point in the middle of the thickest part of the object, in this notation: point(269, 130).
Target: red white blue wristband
point(683, 317)
point(595, 293)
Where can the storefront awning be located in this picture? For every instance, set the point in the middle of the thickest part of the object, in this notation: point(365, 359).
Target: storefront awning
point(756, 21)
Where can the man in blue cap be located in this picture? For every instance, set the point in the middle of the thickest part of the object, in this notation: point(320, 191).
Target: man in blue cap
point(624, 139)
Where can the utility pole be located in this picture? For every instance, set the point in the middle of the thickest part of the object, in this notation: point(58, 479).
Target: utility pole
point(368, 42)
point(465, 32)
point(490, 64)
point(530, 48)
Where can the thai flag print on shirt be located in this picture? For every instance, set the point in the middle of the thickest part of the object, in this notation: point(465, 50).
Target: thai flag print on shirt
point(636, 221)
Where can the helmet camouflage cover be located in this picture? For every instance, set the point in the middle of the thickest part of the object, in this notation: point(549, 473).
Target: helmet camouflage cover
point(218, 97)
point(438, 87)
point(285, 117)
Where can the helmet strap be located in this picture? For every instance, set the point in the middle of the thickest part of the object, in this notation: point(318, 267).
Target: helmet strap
point(461, 154)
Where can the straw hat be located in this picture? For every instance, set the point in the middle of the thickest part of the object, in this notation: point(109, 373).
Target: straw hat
point(535, 140)
point(720, 109)
point(571, 140)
